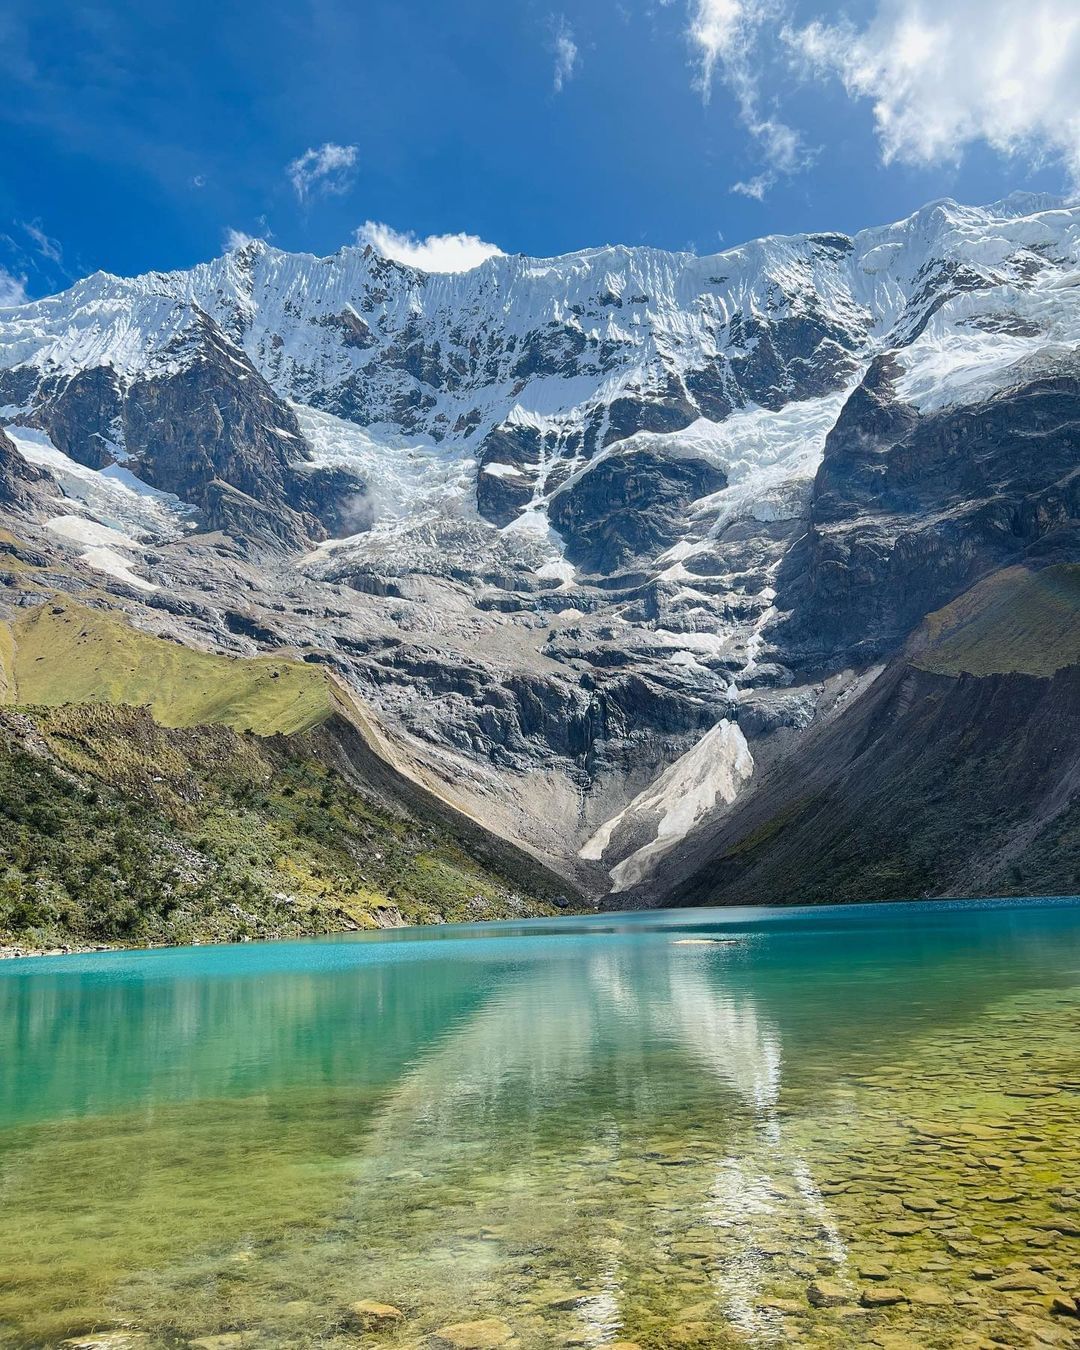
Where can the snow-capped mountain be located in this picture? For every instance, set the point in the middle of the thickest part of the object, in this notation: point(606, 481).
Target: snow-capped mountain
point(535, 368)
point(578, 517)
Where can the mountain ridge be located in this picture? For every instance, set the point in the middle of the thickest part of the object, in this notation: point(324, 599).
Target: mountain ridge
point(563, 521)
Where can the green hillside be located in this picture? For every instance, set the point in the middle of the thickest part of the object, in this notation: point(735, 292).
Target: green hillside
point(153, 793)
point(116, 829)
point(1014, 622)
point(69, 653)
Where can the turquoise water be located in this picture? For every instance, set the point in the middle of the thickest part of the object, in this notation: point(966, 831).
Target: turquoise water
point(852, 1126)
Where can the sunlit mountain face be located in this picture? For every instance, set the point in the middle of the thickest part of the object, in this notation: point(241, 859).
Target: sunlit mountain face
point(625, 525)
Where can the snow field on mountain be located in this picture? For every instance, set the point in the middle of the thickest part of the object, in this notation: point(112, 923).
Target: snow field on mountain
point(714, 770)
point(406, 478)
point(979, 342)
point(119, 514)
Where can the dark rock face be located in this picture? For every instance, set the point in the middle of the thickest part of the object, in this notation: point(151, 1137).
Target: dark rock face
point(16, 475)
point(249, 520)
point(664, 409)
point(83, 414)
point(357, 399)
point(334, 495)
point(552, 350)
point(506, 473)
point(908, 511)
point(353, 329)
point(630, 506)
point(214, 433)
point(203, 424)
point(789, 358)
point(17, 385)
point(777, 360)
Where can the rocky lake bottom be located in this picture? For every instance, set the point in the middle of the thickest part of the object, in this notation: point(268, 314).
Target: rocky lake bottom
point(853, 1127)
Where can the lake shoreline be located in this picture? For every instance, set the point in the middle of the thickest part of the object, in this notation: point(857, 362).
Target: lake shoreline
point(22, 951)
point(17, 951)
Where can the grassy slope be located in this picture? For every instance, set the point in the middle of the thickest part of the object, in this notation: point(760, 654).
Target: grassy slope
point(7, 665)
point(149, 792)
point(1014, 621)
point(70, 653)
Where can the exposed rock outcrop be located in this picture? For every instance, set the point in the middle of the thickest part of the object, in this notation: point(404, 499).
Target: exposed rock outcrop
point(16, 475)
point(909, 510)
point(629, 507)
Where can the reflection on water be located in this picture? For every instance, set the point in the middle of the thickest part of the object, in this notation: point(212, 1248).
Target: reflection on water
point(849, 1126)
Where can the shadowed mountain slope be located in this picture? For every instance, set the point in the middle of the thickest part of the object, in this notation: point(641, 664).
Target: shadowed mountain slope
point(956, 773)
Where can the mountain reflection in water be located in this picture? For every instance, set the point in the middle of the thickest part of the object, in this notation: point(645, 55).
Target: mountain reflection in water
point(588, 1129)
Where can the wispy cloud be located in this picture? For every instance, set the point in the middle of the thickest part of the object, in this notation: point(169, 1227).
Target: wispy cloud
point(567, 57)
point(718, 32)
point(326, 169)
point(48, 248)
point(12, 288)
point(944, 75)
point(755, 187)
point(436, 253)
point(726, 38)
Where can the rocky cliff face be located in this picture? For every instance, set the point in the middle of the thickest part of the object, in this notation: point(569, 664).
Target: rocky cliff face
point(16, 475)
point(908, 509)
point(605, 535)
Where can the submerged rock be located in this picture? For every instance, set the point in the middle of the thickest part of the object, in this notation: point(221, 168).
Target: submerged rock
point(827, 1294)
point(929, 1295)
point(487, 1334)
point(882, 1297)
point(374, 1316)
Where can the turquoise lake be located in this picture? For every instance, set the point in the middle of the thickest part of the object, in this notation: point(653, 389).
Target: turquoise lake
point(852, 1126)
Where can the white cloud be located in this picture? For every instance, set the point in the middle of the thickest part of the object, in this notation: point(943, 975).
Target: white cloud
point(717, 30)
point(566, 55)
point(199, 180)
point(12, 288)
point(236, 239)
point(436, 253)
point(943, 75)
point(726, 38)
point(327, 168)
point(755, 187)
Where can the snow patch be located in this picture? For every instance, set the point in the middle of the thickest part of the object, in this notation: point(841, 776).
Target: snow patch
point(106, 560)
point(715, 769)
point(113, 497)
point(82, 531)
point(104, 553)
point(557, 570)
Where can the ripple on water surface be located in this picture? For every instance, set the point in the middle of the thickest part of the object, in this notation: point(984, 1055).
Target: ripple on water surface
point(822, 1128)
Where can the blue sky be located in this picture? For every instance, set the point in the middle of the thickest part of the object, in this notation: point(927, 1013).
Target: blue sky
point(135, 137)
